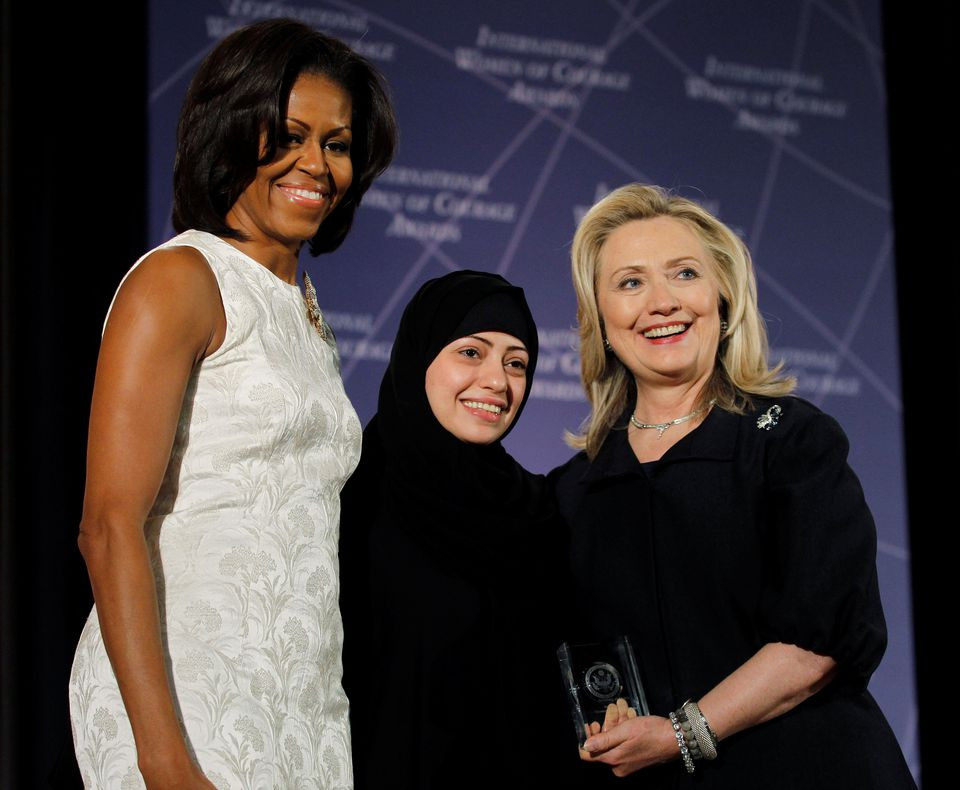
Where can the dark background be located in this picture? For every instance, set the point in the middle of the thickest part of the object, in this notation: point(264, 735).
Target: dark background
point(73, 203)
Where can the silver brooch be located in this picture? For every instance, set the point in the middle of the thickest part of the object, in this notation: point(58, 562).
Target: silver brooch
point(769, 418)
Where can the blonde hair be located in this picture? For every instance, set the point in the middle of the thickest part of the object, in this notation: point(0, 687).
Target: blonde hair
point(741, 368)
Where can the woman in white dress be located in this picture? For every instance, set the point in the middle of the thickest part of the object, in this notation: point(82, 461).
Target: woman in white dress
point(220, 436)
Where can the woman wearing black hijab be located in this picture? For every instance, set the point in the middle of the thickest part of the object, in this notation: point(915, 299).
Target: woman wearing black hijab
point(447, 646)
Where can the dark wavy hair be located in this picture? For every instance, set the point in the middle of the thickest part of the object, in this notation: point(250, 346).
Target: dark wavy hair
point(240, 92)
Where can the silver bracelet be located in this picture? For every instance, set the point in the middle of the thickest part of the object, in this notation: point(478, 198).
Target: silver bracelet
point(705, 737)
point(682, 743)
point(689, 735)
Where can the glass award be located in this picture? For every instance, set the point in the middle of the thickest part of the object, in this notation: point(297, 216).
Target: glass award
point(597, 674)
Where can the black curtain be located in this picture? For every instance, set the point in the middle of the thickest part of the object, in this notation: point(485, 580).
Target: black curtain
point(921, 44)
point(73, 199)
point(72, 220)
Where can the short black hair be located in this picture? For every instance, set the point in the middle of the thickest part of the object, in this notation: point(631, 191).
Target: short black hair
point(240, 92)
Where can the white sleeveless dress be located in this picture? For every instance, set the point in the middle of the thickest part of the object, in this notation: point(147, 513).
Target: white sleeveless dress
point(243, 538)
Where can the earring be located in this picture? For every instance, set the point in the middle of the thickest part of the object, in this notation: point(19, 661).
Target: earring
point(606, 344)
point(724, 326)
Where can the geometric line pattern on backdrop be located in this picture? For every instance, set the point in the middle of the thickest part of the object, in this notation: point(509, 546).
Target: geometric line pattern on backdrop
point(867, 293)
point(638, 25)
point(776, 147)
point(567, 127)
point(781, 144)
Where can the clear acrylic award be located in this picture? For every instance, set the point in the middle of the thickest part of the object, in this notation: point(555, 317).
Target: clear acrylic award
point(597, 674)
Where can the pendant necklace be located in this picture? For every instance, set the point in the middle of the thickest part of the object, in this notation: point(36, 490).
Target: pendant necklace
point(662, 426)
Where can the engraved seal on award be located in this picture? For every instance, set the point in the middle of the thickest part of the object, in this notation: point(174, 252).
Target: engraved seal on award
point(602, 681)
point(596, 675)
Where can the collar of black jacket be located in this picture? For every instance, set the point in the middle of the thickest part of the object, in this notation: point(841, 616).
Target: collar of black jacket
point(715, 439)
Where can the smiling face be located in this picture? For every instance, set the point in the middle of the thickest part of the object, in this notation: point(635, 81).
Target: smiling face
point(291, 196)
point(476, 384)
point(659, 301)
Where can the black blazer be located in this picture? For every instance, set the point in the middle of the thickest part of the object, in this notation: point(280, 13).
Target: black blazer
point(751, 529)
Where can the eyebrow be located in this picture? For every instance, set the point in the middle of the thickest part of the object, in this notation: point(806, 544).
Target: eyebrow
point(488, 343)
point(345, 128)
point(672, 262)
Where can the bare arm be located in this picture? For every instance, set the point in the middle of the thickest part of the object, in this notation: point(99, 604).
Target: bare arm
point(167, 316)
point(773, 681)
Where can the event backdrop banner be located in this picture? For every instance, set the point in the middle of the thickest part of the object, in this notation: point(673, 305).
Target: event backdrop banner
point(516, 116)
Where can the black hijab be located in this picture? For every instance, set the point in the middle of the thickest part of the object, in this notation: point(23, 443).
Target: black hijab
point(445, 559)
point(455, 496)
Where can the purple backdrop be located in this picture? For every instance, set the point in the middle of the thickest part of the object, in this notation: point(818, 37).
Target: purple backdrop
point(515, 117)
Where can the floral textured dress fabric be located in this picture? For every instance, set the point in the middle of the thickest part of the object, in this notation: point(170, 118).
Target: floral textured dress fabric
point(243, 538)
